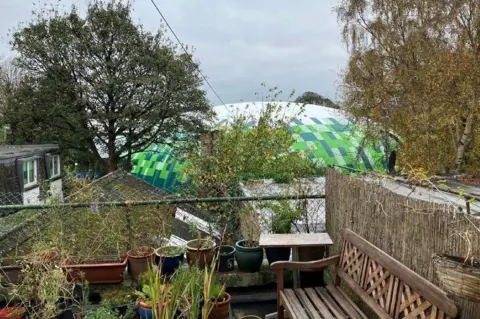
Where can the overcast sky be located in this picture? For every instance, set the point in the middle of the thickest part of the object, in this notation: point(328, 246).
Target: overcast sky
point(239, 43)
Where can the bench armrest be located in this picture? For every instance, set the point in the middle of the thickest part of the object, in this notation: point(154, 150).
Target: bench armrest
point(305, 265)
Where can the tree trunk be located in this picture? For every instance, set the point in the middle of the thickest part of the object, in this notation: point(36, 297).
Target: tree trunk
point(465, 139)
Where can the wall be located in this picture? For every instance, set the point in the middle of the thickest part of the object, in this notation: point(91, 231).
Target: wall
point(32, 196)
point(56, 189)
point(409, 230)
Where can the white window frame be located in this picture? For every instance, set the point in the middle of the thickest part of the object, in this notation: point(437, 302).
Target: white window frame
point(31, 179)
point(55, 166)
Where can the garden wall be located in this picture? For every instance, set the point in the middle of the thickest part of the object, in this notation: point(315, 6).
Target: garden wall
point(410, 230)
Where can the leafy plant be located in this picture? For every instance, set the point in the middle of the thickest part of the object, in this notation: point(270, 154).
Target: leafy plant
point(217, 290)
point(283, 216)
point(41, 289)
point(172, 251)
point(117, 296)
point(101, 313)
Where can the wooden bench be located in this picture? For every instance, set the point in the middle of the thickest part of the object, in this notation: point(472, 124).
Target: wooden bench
point(390, 289)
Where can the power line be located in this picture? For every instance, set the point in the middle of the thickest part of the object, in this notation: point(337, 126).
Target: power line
point(181, 45)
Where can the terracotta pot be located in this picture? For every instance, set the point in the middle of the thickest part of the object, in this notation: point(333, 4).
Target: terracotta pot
point(200, 256)
point(220, 309)
point(100, 269)
point(6, 313)
point(139, 264)
point(10, 272)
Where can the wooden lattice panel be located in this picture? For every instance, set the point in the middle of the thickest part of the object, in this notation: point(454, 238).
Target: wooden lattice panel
point(381, 286)
point(352, 262)
point(412, 306)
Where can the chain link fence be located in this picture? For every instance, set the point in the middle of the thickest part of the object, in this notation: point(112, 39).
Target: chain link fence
point(120, 211)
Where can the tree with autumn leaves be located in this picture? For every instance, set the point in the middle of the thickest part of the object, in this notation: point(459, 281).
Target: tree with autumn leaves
point(414, 68)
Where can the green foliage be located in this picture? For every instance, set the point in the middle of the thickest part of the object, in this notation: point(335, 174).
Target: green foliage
point(217, 290)
point(172, 251)
point(314, 98)
point(117, 296)
point(109, 84)
point(242, 152)
point(101, 313)
point(283, 216)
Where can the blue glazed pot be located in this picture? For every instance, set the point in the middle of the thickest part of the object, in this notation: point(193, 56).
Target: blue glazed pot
point(145, 312)
point(168, 263)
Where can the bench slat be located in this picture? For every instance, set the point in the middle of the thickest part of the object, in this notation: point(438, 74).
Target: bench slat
point(342, 302)
point(288, 305)
point(330, 302)
point(319, 303)
point(296, 306)
point(425, 288)
point(359, 311)
point(363, 295)
point(302, 297)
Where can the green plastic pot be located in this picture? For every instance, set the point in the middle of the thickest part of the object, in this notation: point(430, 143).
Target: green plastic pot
point(249, 259)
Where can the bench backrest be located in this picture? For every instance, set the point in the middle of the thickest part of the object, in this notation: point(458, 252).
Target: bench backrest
point(387, 286)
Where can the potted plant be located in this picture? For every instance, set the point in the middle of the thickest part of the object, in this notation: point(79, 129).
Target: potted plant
point(16, 312)
point(154, 299)
point(118, 299)
point(226, 258)
point(200, 252)
point(220, 300)
point(249, 255)
point(96, 270)
point(282, 218)
point(139, 259)
point(10, 271)
point(170, 258)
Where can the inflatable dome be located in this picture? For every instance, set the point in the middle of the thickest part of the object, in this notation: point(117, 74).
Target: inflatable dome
point(325, 133)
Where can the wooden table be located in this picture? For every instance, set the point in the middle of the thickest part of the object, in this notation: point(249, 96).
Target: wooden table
point(295, 241)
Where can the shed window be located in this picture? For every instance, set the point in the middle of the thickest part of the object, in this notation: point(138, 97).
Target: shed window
point(30, 169)
point(55, 166)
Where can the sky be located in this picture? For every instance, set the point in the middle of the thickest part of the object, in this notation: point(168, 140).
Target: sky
point(240, 44)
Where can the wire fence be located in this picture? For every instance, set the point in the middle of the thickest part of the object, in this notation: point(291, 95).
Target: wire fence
point(129, 212)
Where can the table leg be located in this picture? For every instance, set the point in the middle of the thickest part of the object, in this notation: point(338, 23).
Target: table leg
point(296, 274)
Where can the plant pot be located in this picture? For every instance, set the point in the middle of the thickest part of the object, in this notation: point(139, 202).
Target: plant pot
point(249, 259)
point(220, 309)
point(250, 317)
point(6, 313)
point(226, 259)
point(139, 263)
point(97, 270)
point(459, 276)
point(277, 254)
point(169, 262)
point(10, 272)
point(197, 255)
point(145, 311)
point(311, 278)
